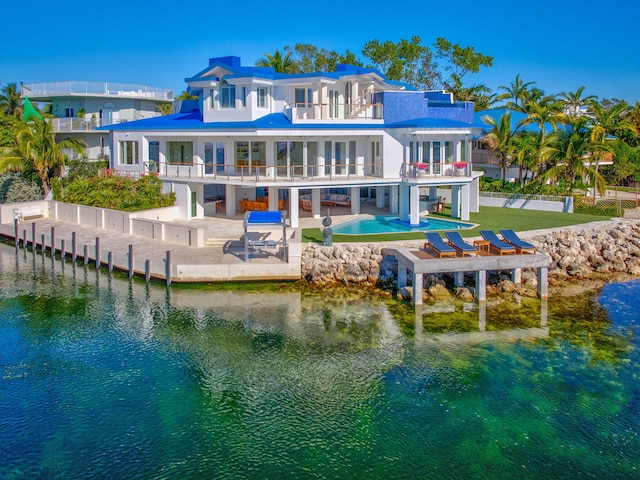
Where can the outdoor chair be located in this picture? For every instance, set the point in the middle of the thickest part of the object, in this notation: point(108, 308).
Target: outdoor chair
point(512, 237)
point(463, 248)
point(437, 244)
point(502, 248)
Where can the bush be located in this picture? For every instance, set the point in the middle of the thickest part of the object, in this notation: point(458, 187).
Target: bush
point(118, 193)
point(16, 188)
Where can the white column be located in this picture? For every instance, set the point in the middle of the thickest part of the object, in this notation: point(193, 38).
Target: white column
point(355, 200)
point(315, 202)
point(543, 282)
point(320, 159)
point(455, 201)
point(458, 279)
point(474, 195)
point(393, 199)
point(481, 285)
point(464, 202)
point(273, 199)
point(380, 194)
point(404, 202)
point(304, 159)
point(294, 216)
point(516, 276)
point(230, 200)
point(457, 152)
point(414, 205)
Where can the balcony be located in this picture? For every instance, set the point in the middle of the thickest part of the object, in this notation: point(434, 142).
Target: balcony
point(260, 173)
point(92, 89)
point(75, 124)
point(332, 112)
point(430, 170)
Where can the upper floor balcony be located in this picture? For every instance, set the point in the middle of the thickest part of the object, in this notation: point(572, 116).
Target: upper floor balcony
point(94, 89)
point(332, 112)
point(75, 124)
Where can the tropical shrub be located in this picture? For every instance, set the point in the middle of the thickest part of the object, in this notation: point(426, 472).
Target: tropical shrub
point(14, 187)
point(117, 192)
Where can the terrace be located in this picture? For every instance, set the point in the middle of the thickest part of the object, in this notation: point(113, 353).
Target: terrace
point(103, 89)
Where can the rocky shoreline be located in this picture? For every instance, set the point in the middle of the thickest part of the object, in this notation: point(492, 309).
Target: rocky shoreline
point(581, 252)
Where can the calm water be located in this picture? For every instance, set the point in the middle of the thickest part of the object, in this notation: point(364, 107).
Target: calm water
point(391, 224)
point(101, 378)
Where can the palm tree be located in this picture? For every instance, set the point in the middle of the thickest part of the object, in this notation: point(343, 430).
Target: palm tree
point(10, 101)
point(35, 148)
point(185, 95)
point(573, 156)
point(524, 152)
point(574, 101)
point(516, 92)
point(500, 139)
point(281, 64)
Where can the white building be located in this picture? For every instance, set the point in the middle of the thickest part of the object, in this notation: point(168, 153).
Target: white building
point(301, 140)
point(80, 108)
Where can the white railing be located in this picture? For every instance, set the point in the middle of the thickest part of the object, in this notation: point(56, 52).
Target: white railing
point(431, 169)
point(75, 124)
point(337, 111)
point(95, 88)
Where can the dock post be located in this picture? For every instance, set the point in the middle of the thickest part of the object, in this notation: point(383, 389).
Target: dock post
point(147, 270)
point(63, 250)
point(86, 254)
point(130, 260)
point(43, 245)
point(516, 276)
point(110, 261)
point(543, 282)
point(24, 239)
point(167, 268)
point(16, 234)
point(458, 279)
point(53, 242)
point(418, 285)
point(97, 252)
point(73, 247)
point(481, 285)
point(402, 276)
point(33, 236)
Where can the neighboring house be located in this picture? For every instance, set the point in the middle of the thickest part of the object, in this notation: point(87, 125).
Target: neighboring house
point(80, 108)
point(302, 138)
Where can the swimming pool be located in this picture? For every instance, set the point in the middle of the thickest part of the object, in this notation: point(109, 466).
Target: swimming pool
point(391, 224)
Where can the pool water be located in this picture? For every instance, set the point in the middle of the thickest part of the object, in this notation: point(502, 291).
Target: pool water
point(105, 378)
point(391, 224)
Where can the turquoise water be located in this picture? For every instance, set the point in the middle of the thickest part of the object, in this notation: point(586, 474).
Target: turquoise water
point(391, 224)
point(102, 378)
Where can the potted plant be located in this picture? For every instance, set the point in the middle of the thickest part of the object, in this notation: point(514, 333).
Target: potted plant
point(460, 168)
point(421, 169)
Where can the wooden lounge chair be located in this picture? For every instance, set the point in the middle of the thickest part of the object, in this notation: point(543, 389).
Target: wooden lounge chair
point(502, 248)
point(437, 244)
point(463, 248)
point(512, 237)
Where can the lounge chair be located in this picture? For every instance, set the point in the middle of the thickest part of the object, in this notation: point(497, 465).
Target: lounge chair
point(512, 237)
point(502, 248)
point(437, 244)
point(462, 247)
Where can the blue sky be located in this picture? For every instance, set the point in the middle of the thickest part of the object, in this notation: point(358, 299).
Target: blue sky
point(561, 45)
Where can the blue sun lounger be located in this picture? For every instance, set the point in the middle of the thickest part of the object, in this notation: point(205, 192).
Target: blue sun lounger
point(462, 247)
point(502, 248)
point(512, 237)
point(437, 244)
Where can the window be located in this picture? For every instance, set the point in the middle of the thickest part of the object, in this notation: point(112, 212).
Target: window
point(180, 153)
point(243, 97)
point(129, 153)
point(301, 100)
point(333, 103)
point(262, 97)
point(154, 156)
point(68, 112)
point(227, 95)
point(211, 99)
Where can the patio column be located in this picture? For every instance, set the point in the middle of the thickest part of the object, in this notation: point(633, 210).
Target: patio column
point(315, 202)
point(294, 215)
point(273, 199)
point(414, 205)
point(474, 195)
point(380, 196)
point(455, 201)
point(230, 200)
point(543, 282)
point(355, 200)
point(393, 199)
point(418, 285)
point(464, 200)
point(481, 285)
point(404, 202)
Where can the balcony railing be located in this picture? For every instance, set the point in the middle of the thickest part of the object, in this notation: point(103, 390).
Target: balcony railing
point(36, 90)
point(260, 173)
point(336, 111)
point(434, 169)
point(74, 124)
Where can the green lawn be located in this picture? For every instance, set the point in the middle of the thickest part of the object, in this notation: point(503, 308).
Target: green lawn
point(489, 218)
